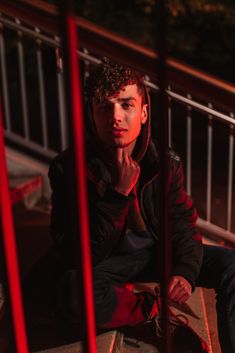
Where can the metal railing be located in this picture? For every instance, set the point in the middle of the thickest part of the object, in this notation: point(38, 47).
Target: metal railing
point(199, 97)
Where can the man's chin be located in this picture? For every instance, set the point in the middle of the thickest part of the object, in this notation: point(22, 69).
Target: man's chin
point(120, 144)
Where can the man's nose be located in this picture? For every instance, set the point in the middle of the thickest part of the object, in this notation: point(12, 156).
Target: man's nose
point(117, 112)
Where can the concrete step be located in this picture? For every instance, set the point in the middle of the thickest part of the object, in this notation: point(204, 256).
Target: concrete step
point(32, 236)
point(28, 179)
point(21, 166)
point(109, 342)
point(194, 311)
point(26, 189)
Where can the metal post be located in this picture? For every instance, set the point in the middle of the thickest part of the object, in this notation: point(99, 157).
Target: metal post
point(61, 101)
point(169, 119)
point(230, 176)
point(209, 167)
point(6, 105)
point(42, 93)
point(22, 83)
point(189, 147)
point(164, 170)
point(6, 222)
point(76, 124)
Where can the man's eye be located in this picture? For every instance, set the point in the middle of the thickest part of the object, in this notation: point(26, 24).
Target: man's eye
point(105, 107)
point(126, 105)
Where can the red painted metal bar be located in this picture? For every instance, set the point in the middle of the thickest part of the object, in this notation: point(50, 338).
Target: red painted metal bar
point(76, 114)
point(164, 173)
point(8, 234)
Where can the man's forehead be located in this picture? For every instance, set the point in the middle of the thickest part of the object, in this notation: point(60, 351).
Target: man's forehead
point(126, 93)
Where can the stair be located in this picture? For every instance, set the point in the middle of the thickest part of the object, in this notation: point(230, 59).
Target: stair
point(25, 188)
point(194, 310)
point(109, 342)
point(29, 194)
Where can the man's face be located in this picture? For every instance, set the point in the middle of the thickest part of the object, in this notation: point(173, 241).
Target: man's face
point(118, 121)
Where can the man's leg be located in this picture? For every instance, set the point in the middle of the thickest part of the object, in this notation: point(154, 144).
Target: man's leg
point(115, 305)
point(218, 272)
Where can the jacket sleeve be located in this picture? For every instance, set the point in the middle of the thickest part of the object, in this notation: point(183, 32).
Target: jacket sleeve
point(107, 214)
point(58, 201)
point(186, 239)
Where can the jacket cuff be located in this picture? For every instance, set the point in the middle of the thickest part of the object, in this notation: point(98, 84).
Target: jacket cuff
point(187, 272)
point(112, 194)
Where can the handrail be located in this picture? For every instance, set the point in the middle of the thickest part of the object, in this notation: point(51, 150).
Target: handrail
point(179, 75)
point(178, 97)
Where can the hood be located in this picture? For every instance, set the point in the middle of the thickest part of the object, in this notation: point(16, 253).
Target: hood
point(94, 145)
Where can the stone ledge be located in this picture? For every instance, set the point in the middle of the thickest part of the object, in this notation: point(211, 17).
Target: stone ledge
point(109, 342)
point(194, 310)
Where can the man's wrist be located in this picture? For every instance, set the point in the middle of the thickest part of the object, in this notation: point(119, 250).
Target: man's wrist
point(121, 191)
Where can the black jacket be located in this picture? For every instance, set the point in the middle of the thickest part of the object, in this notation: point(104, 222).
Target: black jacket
point(108, 209)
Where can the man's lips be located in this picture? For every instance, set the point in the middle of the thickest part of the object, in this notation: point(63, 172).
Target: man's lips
point(118, 131)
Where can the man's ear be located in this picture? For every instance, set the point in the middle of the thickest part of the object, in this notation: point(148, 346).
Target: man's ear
point(144, 115)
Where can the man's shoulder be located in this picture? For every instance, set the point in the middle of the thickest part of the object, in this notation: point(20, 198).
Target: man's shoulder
point(63, 156)
point(60, 162)
point(154, 150)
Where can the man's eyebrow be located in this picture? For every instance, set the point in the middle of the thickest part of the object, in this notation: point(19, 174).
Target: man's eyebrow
point(127, 99)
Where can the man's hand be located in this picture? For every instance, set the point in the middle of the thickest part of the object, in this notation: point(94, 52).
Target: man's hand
point(179, 289)
point(125, 172)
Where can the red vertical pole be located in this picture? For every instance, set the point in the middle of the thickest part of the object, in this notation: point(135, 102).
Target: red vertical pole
point(75, 113)
point(164, 172)
point(9, 243)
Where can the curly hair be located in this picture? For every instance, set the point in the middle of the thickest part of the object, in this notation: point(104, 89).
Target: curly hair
point(108, 79)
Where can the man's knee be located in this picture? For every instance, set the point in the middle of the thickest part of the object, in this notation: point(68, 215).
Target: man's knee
point(225, 269)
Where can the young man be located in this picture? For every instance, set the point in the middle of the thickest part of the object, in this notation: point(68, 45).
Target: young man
point(123, 193)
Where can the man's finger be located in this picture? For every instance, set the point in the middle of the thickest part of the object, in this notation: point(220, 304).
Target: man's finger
point(174, 292)
point(119, 154)
point(172, 284)
point(184, 298)
point(126, 157)
point(180, 293)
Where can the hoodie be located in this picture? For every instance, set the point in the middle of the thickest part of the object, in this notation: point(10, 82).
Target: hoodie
point(110, 220)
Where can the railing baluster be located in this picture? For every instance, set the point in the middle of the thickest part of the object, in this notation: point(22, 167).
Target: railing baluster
point(209, 167)
point(189, 148)
point(169, 119)
point(5, 95)
point(61, 101)
point(230, 175)
point(23, 91)
point(87, 64)
point(42, 92)
point(6, 223)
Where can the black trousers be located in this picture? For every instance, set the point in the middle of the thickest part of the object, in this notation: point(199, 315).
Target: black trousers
point(115, 305)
